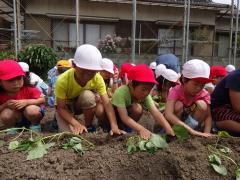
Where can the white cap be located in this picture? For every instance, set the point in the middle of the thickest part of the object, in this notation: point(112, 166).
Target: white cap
point(196, 69)
point(107, 65)
point(230, 68)
point(24, 66)
point(153, 65)
point(88, 57)
point(168, 74)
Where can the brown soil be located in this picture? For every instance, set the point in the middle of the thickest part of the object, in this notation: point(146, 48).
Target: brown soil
point(110, 160)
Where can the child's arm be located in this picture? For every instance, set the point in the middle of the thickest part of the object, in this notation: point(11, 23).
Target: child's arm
point(173, 119)
point(208, 122)
point(19, 104)
point(161, 120)
point(143, 132)
point(63, 111)
point(111, 115)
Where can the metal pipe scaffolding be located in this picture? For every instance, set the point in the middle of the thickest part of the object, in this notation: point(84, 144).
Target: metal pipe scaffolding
point(231, 32)
point(15, 28)
point(187, 30)
point(134, 6)
point(77, 22)
point(236, 35)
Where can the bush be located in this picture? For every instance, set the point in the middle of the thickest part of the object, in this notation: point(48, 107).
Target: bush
point(39, 57)
point(7, 55)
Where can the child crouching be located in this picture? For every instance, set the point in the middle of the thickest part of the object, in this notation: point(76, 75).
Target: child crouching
point(129, 99)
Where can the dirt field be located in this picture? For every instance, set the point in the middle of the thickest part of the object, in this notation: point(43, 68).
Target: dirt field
point(109, 160)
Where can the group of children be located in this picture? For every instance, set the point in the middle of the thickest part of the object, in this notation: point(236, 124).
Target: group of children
point(197, 98)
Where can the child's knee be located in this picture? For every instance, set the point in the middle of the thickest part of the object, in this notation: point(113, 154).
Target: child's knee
point(137, 109)
point(86, 100)
point(9, 117)
point(178, 108)
point(201, 106)
point(99, 110)
point(32, 111)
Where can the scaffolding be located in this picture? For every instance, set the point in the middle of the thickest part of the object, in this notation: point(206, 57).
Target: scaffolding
point(15, 15)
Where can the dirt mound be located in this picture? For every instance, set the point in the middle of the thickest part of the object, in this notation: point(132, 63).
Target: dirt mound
point(110, 160)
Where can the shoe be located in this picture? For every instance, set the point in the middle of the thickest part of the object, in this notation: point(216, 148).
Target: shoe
point(36, 127)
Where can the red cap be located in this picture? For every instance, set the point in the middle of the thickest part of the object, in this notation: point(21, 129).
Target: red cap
point(10, 69)
point(217, 71)
point(125, 68)
point(142, 73)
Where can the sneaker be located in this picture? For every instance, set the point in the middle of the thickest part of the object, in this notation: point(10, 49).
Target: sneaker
point(36, 127)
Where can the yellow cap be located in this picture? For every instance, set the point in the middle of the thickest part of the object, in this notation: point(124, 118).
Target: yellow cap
point(63, 63)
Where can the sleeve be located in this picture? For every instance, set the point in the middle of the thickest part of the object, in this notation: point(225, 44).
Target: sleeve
point(61, 88)
point(100, 85)
point(173, 94)
point(206, 97)
point(148, 103)
point(233, 82)
point(118, 98)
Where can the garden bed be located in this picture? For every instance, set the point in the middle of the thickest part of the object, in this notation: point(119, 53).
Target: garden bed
point(183, 159)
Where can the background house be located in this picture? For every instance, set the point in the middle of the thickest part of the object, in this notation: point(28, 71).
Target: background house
point(159, 27)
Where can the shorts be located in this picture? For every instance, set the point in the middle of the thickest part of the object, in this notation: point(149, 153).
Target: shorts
point(225, 113)
point(85, 100)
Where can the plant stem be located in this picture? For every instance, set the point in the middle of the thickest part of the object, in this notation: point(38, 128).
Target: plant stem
point(23, 129)
point(214, 150)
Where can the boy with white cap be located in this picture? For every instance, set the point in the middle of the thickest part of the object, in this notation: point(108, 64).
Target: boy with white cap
point(188, 104)
point(73, 92)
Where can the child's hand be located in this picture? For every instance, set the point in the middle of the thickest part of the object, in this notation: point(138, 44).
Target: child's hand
point(19, 104)
point(116, 131)
point(170, 131)
point(78, 128)
point(144, 133)
point(197, 133)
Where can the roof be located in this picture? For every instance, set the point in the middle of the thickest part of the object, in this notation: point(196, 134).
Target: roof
point(204, 4)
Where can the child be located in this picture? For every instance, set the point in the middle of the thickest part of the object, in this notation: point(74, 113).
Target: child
point(73, 92)
point(62, 66)
point(34, 79)
point(190, 100)
point(129, 99)
point(225, 103)
point(217, 73)
point(19, 101)
point(166, 78)
point(230, 68)
point(123, 74)
point(170, 61)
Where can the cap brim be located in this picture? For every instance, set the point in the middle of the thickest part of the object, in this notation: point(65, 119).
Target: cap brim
point(11, 76)
point(202, 80)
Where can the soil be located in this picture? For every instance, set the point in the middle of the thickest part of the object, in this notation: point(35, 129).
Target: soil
point(109, 159)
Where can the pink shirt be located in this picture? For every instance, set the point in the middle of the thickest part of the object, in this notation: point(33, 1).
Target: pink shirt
point(177, 94)
point(24, 93)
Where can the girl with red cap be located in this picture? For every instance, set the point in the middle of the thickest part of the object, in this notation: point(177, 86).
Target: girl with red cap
point(188, 104)
point(129, 99)
point(19, 101)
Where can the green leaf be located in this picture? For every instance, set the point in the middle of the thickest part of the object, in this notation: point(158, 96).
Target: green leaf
point(220, 169)
point(36, 152)
point(225, 150)
point(180, 132)
point(224, 134)
point(39, 150)
point(2, 143)
point(142, 145)
point(158, 141)
point(13, 145)
point(214, 159)
point(131, 148)
point(237, 172)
